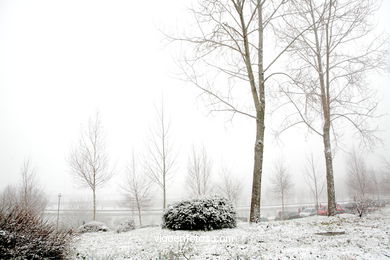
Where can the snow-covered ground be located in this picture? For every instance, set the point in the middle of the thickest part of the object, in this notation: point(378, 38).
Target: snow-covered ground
point(354, 238)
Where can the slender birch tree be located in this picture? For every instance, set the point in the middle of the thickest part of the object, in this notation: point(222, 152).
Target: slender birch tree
point(31, 196)
point(136, 188)
point(227, 63)
point(281, 182)
point(199, 172)
point(359, 182)
point(315, 180)
point(358, 178)
point(89, 162)
point(160, 159)
point(326, 83)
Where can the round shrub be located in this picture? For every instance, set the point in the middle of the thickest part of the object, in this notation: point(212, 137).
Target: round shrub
point(93, 226)
point(200, 214)
point(126, 226)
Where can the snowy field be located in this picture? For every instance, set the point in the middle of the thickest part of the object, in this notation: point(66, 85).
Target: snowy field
point(352, 238)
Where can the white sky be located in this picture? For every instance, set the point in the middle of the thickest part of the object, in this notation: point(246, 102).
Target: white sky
point(61, 61)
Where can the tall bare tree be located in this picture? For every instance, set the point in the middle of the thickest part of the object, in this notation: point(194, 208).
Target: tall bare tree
point(89, 161)
point(229, 186)
point(281, 182)
point(314, 179)
point(326, 78)
point(137, 188)
point(27, 194)
point(160, 161)
point(199, 172)
point(32, 197)
point(228, 65)
point(358, 179)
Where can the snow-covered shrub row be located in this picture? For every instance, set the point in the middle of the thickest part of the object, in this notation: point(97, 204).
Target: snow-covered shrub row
point(24, 235)
point(93, 226)
point(200, 214)
point(126, 226)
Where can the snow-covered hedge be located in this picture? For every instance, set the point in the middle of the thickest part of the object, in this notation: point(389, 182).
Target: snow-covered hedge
point(24, 235)
point(126, 226)
point(93, 226)
point(200, 214)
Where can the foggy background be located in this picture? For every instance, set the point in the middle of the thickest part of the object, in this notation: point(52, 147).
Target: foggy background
point(61, 62)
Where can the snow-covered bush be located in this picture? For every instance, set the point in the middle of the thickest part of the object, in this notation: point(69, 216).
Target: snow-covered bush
point(24, 235)
point(126, 226)
point(200, 214)
point(93, 226)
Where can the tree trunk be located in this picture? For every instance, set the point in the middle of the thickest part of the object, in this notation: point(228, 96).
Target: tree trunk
point(329, 170)
point(94, 204)
point(257, 170)
point(259, 102)
point(139, 215)
point(282, 205)
point(164, 195)
point(315, 191)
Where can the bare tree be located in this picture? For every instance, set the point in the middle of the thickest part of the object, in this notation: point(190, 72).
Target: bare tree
point(326, 83)
point(229, 186)
point(359, 182)
point(228, 65)
point(281, 182)
point(376, 183)
point(358, 179)
point(314, 179)
point(89, 161)
point(31, 196)
point(161, 159)
point(137, 189)
point(199, 172)
point(27, 194)
point(385, 178)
